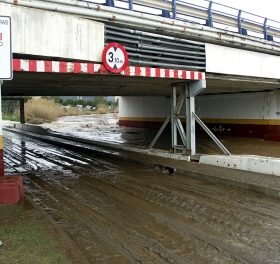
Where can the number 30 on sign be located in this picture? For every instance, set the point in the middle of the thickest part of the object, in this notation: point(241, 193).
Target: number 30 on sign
point(115, 57)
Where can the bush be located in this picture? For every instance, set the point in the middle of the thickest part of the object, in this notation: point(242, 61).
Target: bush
point(40, 110)
point(99, 100)
point(69, 102)
point(102, 109)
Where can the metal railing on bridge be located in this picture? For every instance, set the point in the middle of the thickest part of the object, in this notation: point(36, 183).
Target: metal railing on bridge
point(203, 12)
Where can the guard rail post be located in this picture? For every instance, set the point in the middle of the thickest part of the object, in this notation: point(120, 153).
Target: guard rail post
point(241, 30)
point(265, 33)
point(130, 5)
point(209, 21)
point(174, 9)
point(110, 3)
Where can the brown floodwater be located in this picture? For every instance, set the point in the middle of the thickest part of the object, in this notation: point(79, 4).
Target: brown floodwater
point(105, 128)
point(120, 212)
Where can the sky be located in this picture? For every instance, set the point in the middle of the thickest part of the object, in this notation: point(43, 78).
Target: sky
point(265, 8)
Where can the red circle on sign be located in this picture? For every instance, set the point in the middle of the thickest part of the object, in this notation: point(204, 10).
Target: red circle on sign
point(114, 57)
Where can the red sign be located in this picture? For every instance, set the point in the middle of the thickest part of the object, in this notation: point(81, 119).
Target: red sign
point(115, 57)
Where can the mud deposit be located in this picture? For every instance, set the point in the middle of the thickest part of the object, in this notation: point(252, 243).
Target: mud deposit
point(120, 212)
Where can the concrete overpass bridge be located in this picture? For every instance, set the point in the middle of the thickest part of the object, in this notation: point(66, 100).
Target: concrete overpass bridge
point(172, 46)
point(76, 31)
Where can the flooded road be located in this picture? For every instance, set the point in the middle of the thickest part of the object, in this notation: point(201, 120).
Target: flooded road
point(101, 127)
point(104, 127)
point(121, 212)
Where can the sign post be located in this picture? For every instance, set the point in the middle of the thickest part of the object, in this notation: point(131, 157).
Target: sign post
point(6, 71)
point(114, 57)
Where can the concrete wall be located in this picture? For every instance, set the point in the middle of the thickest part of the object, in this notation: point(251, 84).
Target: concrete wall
point(225, 60)
point(143, 111)
point(244, 114)
point(259, 106)
point(244, 106)
point(140, 107)
point(51, 34)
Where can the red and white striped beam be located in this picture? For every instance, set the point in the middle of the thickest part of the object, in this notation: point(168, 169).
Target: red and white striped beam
point(40, 66)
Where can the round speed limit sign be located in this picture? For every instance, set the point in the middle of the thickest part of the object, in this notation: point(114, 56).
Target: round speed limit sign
point(115, 57)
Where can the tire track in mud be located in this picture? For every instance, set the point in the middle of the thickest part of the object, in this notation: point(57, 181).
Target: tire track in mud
point(242, 197)
point(241, 228)
point(198, 199)
point(232, 247)
point(142, 236)
point(119, 212)
point(86, 236)
point(119, 236)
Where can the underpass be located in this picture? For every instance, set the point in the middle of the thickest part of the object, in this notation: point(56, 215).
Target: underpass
point(130, 204)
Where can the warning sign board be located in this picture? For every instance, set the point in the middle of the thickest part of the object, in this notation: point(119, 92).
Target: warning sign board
point(6, 71)
point(115, 57)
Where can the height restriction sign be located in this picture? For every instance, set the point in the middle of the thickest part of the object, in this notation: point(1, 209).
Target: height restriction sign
point(115, 57)
point(6, 71)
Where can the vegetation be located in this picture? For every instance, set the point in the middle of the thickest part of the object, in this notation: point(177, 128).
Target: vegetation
point(98, 100)
point(40, 110)
point(10, 110)
point(27, 238)
point(11, 117)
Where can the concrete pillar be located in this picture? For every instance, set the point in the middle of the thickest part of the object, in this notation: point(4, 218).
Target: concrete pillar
point(21, 110)
point(173, 124)
point(194, 88)
point(190, 109)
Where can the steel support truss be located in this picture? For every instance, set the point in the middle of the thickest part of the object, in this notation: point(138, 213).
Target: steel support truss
point(187, 135)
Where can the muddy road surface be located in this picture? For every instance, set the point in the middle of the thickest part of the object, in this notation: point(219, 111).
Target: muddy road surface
point(120, 212)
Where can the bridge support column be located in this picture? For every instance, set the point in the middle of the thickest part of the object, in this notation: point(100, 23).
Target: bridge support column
point(187, 136)
point(190, 122)
point(192, 89)
point(21, 111)
point(11, 187)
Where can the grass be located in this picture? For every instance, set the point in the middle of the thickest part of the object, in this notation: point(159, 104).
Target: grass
point(27, 238)
point(11, 117)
